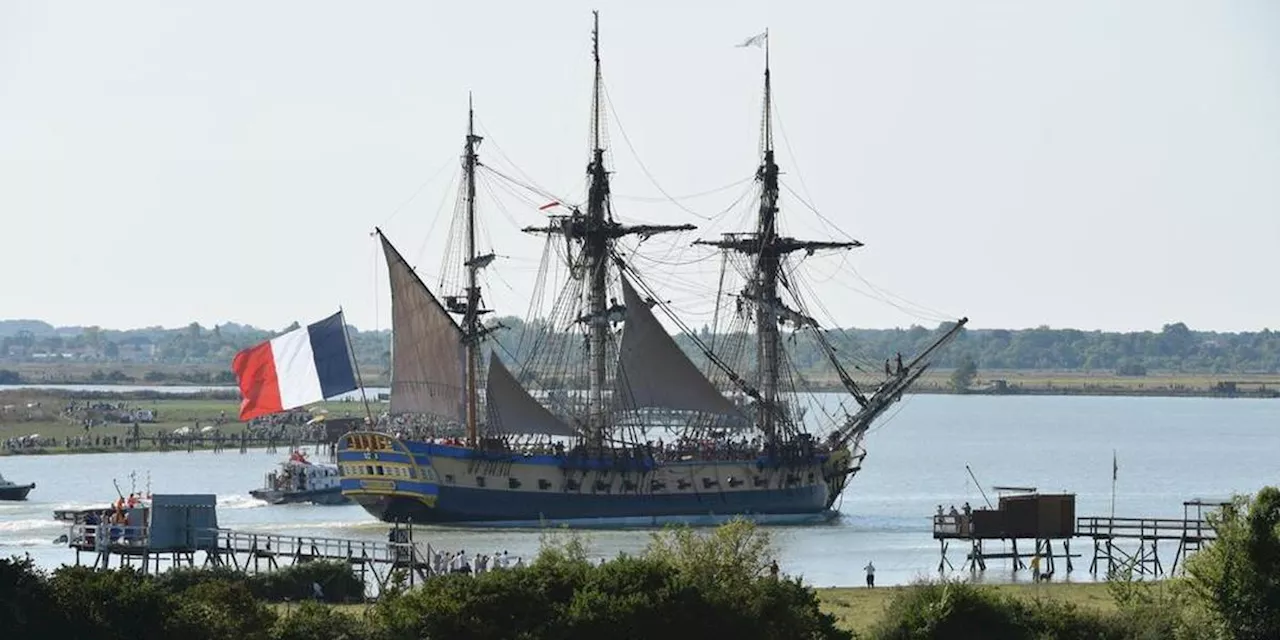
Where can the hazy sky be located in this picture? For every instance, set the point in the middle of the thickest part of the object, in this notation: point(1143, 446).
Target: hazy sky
point(1111, 165)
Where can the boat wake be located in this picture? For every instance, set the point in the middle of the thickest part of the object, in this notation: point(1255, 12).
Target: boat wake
point(323, 526)
point(240, 501)
point(83, 506)
point(30, 524)
point(27, 542)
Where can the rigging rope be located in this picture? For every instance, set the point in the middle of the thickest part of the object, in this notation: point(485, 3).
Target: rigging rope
point(687, 197)
point(794, 160)
point(618, 121)
point(435, 174)
point(530, 188)
point(503, 154)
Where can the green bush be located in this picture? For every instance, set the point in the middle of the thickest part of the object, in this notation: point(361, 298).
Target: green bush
point(220, 610)
point(181, 579)
point(119, 604)
point(336, 579)
point(957, 610)
point(687, 584)
point(1238, 575)
point(314, 621)
point(946, 610)
point(26, 603)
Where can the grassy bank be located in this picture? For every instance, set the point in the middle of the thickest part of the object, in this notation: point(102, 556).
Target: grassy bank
point(858, 609)
point(33, 411)
point(39, 411)
point(1011, 381)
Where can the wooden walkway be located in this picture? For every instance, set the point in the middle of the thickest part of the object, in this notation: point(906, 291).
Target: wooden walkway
point(1113, 540)
point(253, 552)
point(1119, 544)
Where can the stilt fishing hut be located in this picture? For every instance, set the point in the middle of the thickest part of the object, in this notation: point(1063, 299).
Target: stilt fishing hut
point(1021, 513)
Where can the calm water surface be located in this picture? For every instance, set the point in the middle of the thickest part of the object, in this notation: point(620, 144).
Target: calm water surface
point(1169, 450)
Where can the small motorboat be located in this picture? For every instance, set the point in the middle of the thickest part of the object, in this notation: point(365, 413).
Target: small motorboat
point(11, 491)
point(298, 480)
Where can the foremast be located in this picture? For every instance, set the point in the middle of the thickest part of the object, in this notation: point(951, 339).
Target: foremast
point(470, 308)
point(768, 250)
point(596, 231)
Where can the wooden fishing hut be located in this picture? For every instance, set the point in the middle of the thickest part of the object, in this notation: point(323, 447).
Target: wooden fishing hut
point(1021, 513)
point(169, 527)
point(175, 528)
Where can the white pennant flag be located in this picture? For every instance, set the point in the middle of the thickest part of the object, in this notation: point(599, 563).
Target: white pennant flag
point(755, 41)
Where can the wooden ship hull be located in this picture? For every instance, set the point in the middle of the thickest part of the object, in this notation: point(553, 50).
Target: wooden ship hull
point(422, 482)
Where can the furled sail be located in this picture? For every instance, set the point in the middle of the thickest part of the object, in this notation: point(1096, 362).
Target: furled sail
point(428, 364)
point(511, 410)
point(652, 370)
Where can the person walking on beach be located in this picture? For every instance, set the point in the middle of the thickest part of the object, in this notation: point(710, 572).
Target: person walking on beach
point(871, 575)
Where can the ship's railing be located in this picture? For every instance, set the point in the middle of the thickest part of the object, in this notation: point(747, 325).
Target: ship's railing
point(101, 535)
point(318, 547)
point(1145, 528)
point(948, 525)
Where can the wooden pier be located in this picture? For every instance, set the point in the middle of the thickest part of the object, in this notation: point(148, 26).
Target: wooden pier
point(182, 531)
point(1133, 544)
point(1120, 544)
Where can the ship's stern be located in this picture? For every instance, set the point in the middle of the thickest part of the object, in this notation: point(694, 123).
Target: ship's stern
point(386, 477)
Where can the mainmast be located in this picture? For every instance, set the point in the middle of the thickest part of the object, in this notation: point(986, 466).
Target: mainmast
point(766, 272)
point(768, 249)
point(597, 230)
point(596, 247)
point(471, 320)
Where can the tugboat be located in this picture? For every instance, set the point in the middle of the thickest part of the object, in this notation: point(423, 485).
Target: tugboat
point(11, 491)
point(298, 480)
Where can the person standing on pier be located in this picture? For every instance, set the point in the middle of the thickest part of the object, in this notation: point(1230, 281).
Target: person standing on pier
point(871, 575)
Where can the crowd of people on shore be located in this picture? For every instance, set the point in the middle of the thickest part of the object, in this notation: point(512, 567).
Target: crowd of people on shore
point(460, 562)
point(27, 443)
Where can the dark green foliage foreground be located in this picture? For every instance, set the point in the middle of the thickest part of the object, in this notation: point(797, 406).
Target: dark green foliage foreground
point(713, 585)
point(685, 585)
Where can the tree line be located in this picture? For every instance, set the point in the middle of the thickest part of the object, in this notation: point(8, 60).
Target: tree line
point(1174, 348)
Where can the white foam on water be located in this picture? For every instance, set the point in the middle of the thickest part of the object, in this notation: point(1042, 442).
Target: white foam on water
point(27, 542)
point(314, 526)
point(240, 502)
point(30, 524)
point(82, 506)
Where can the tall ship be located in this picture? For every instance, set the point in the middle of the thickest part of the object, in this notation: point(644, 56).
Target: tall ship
point(599, 416)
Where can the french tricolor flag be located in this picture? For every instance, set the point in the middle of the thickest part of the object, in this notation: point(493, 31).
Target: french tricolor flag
point(295, 369)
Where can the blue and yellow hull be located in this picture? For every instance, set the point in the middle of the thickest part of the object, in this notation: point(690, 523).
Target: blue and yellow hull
point(422, 482)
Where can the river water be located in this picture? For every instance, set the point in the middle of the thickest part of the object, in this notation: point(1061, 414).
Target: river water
point(1168, 450)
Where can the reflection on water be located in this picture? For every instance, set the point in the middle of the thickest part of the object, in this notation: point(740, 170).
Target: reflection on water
point(1169, 450)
